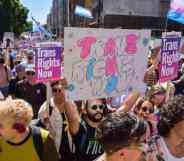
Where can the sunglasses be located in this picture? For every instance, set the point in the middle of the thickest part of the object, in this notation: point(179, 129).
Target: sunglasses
point(30, 73)
point(147, 109)
point(101, 107)
point(56, 90)
point(30, 57)
point(17, 62)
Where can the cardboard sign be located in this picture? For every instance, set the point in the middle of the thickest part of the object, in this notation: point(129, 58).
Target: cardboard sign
point(101, 63)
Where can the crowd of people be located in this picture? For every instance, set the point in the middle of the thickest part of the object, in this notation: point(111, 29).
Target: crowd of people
point(139, 127)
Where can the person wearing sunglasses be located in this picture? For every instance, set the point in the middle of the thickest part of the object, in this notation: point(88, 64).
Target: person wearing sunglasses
point(143, 108)
point(87, 147)
point(56, 116)
point(120, 135)
point(31, 91)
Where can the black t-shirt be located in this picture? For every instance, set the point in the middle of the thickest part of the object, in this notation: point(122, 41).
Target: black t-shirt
point(33, 94)
point(87, 148)
point(12, 86)
point(65, 152)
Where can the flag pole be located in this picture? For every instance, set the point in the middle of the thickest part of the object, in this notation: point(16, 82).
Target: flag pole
point(68, 13)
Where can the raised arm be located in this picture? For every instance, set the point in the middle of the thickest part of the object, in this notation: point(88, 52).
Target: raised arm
point(129, 102)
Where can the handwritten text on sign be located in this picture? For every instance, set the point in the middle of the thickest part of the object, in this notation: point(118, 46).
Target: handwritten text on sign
point(169, 58)
point(101, 62)
point(48, 64)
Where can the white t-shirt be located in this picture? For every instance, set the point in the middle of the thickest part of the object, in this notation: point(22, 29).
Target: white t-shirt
point(166, 154)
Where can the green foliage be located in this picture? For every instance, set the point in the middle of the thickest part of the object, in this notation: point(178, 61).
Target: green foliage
point(13, 16)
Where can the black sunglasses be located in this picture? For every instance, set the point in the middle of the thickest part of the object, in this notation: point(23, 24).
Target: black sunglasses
point(30, 57)
point(17, 62)
point(147, 109)
point(30, 73)
point(56, 90)
point(101, 107)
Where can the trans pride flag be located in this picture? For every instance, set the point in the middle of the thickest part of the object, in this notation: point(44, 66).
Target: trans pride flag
point(176, 12)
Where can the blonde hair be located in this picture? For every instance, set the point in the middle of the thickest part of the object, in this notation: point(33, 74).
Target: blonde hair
point(18, 110)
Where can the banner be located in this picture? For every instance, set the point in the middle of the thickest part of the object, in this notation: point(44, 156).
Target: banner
point(48, 63)
point(8, 40)
point(101, 63)
point(168, 69)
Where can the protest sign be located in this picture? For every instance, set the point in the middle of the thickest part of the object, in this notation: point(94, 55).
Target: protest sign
point(169, 57)
point(8, 40)
point(36, 36)
point(100, 63)
point(48, 63)
point(50, 44)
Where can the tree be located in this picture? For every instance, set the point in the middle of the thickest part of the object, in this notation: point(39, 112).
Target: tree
point(13, 16)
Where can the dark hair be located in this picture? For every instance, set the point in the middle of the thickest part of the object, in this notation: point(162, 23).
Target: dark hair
point(170, 114)
point(58, 82)
point(118, 130)
point(103, 100)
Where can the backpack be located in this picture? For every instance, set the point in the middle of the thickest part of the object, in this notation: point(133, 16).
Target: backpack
point(39, 138)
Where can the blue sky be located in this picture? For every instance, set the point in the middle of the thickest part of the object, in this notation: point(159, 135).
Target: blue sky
point(38, 9)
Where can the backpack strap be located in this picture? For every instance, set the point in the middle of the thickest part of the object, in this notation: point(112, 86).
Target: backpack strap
point(39, 138)
point(50, 109)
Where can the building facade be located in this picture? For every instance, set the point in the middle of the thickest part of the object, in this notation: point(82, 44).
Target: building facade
point(132, 14)
point(56, 19)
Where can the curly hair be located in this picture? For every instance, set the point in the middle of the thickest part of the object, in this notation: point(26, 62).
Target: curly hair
point(18, 110)
point(171, 113)
point(118, 130)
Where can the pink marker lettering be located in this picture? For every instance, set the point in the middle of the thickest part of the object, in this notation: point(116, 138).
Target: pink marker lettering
point(110, 53)
point(86, 43)
point(111, 66)
point(131, 46)
point(110, 47)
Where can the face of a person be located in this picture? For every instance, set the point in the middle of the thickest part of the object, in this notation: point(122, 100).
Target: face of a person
point(179, 128)
point(158, 99)
point(133, 154)
point(58, 91)
point(146, 109)
point(95, 110)
point(20, 73)
point(30, 59)
point(6, 130)
point(30, 75)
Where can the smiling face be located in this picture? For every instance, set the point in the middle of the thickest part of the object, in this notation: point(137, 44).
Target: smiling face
point(146, 109)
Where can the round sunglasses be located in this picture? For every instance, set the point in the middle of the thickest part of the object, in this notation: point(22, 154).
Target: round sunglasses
point(95, 107)
point(56, 90)
point(147, 109)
